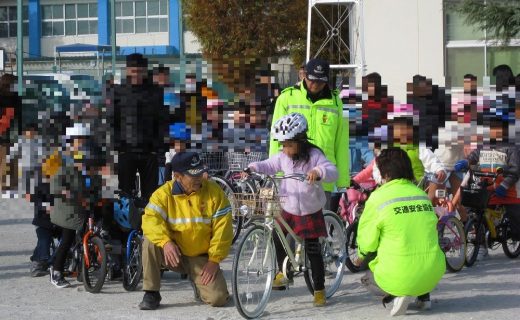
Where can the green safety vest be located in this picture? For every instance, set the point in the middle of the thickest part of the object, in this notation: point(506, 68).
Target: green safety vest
point(328, 129)
point(399, 223)
point(417, 165)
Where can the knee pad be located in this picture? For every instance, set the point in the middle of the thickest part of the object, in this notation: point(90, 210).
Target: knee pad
point(313, 247)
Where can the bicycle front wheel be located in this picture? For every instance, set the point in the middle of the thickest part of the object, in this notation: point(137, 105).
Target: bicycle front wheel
point(475, 235)
point(94, 274)
point(253, 271)
point(334, 254)
point(133, 268)
point(352, 248)
point(452, 240)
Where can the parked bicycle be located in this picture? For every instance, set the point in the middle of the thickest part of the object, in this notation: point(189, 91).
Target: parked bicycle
point(254, 264)
point(224, 168)
point(487, 225)
point(128, 211)
point(351, 207)
point(452, 238)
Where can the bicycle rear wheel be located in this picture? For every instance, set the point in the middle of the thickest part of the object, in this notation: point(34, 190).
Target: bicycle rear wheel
point(475, 235)
point(133, 264)
point(511, 247)
point(452, 240)
point(94, 274)
point(334, 255)
point(254, 267)
point(229, 190)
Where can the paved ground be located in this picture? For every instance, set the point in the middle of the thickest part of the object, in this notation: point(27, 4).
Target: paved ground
point(489, 290)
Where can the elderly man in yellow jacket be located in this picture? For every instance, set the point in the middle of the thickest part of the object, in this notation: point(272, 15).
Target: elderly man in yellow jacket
point(187, 227)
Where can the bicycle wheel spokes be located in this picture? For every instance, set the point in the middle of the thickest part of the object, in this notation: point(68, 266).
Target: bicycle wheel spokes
point(253, 272)
point(333, 252)
point(134, 266)
point(453, 243)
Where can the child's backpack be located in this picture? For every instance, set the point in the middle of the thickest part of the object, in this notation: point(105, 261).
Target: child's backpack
point(52, 164)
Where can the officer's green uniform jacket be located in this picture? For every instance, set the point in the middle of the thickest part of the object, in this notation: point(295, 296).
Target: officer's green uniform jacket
point(328, 129)
point(399, 223)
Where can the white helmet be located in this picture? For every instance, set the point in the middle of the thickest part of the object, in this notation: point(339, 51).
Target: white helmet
point(289, 126)
point(78, 130)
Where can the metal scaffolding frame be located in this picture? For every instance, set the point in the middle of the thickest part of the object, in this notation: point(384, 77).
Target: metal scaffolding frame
point(348, 47)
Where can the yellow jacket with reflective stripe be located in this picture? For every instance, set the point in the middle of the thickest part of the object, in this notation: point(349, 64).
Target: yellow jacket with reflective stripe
point(327, 128)
point(199, 223)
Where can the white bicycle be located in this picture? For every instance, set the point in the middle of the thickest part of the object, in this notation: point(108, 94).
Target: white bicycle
point(254, 263)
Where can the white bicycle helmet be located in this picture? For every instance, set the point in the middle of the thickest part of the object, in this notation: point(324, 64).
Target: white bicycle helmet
point(289, 126)
point(78, 130)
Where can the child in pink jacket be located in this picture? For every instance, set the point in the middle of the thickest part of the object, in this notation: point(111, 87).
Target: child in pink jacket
point(304, 202)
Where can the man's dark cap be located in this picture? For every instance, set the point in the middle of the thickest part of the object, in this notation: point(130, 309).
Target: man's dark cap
point(136, 60)
point(317, 70)
point(188, 163)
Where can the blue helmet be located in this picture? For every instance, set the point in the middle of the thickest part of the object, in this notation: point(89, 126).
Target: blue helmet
point(180, 131)
point(122, 212)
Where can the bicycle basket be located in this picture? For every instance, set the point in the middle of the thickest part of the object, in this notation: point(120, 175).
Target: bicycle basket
point(240, 160)
point(214, 160)
point(248, 204)
point(476, 198)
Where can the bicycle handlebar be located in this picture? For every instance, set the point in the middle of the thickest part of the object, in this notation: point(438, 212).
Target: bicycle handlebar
point(492, 175)
point(259, 176)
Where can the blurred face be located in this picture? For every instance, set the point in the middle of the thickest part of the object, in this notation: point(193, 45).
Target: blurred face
point(189, 184)
point(301, 74)
point(136, 75)
point(469, 85)
point(496, 133)
point(290, 148)
point(179, 146)
point(161, 79)
point(314, 87)
point(371, 89)
point(403, 133)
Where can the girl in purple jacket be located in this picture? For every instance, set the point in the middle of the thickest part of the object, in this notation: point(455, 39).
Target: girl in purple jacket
point(304, 202)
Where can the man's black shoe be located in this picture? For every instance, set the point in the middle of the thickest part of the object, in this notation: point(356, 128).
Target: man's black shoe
point(151, 300)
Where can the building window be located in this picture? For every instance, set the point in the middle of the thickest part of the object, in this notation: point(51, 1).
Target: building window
point(458, 30)
point(69, 19)
point(142, 16)
point(469, 50)
point(8, 18)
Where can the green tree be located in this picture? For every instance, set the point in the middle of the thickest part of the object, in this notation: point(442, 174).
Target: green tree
point(499, 18)
point(236, 28)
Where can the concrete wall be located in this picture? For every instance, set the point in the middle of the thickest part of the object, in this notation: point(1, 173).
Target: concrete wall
point(142, 39)
point(404, 38)
point(190, 43)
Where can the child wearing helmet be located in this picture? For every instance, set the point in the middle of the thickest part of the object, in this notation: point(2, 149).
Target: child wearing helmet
point(304, 200)
point(75, 187)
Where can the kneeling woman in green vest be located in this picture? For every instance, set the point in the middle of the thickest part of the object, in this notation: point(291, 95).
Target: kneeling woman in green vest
point(397, 236)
